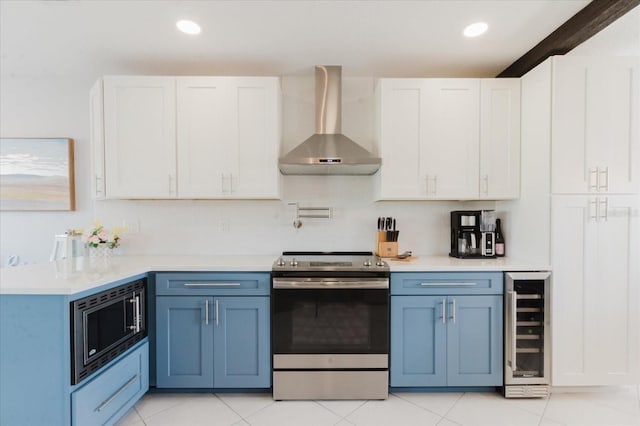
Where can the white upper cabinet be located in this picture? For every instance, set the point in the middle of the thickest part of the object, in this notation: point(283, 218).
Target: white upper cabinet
point(595, 136)
point(139, 137)
point(96, 130)
point(190, 137)
point(256, 132)
point(400, 132)
point(205, 146)
point(499, 138)
point(449, 139)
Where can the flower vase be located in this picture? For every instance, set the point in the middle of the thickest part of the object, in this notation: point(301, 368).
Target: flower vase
point(101, 251)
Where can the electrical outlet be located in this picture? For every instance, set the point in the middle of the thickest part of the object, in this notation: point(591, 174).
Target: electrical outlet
point(132, 225)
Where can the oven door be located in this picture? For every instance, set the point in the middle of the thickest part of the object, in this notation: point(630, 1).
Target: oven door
point(330, 316)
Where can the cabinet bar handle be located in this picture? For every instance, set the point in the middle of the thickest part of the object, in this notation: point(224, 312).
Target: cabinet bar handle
point(211, 284)
point(485, 179)
point(222, 183)
point(593, 183)
point(604, 204)
point(435, 184)
point(593, 210)
point(231, 183)
point(170, 184)
point(217, 314)
point(453, 310)
point(124, 387)
point(444, 311)
point(206, 311)
point(448, 284)
point(604, 187)
point(99, 189)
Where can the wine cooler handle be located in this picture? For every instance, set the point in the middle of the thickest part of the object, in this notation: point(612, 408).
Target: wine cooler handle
point(514, 328)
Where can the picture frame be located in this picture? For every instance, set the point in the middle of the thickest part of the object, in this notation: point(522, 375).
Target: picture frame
point(37, 174)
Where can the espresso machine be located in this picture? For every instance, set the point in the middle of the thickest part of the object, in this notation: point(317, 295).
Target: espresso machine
point(473, 233)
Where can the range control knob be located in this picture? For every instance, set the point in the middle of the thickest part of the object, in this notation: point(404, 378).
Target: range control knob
point(293, 262)
point(379, 262)
point(281, 262)
point(367, 263)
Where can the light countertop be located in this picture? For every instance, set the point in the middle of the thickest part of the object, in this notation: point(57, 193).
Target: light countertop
point(77, 275)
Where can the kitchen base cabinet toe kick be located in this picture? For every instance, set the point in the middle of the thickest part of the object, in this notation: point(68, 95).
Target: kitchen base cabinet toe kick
point(446, 330)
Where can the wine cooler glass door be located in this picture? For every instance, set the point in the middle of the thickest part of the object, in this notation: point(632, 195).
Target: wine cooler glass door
point(527, 329)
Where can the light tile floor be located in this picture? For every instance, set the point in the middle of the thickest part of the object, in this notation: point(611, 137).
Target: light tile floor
point(619, 406)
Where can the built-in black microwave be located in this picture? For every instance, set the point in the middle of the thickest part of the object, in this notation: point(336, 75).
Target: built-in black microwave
point(105, 325)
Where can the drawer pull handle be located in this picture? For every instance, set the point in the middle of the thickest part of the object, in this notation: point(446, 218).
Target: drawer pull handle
point(124, 387)
point(434, 284)
point(203, 284)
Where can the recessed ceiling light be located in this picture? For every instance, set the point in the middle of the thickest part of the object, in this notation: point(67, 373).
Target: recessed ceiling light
point(475, 29)
point(188, 27)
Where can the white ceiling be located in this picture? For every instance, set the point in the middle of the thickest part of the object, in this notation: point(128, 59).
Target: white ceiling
point(368, 38)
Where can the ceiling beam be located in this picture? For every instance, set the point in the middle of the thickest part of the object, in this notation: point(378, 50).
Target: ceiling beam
point(580, 27)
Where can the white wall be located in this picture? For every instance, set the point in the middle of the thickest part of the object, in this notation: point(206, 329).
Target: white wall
point(59, 107)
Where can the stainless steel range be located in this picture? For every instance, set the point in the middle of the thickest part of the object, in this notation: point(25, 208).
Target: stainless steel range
point(330, 326)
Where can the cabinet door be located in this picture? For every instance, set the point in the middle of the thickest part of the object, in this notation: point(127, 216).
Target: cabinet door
point(573, 257)
point(613, 297)
point(205, 141)
point(184, 342)
point(139, 130)
point(595, 139)
point(596, 290)
point(96, 123)
point(500, 138)
point(418, 341)
point(242, 343)
point(400, 103)
point(450, 138)
point(255, 130)
point(474, 341)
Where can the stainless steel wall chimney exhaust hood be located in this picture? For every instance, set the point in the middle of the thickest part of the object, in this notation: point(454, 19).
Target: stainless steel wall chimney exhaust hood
point(328, 151)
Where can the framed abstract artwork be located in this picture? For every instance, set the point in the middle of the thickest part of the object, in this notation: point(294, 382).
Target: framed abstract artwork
point(36, 174)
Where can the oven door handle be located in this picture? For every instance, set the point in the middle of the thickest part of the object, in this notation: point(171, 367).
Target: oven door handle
point(329, 283)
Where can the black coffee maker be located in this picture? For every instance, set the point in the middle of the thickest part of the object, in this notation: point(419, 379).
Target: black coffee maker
point(472, 233)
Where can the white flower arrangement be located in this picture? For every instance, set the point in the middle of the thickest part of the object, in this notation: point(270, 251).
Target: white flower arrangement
point(98, 236)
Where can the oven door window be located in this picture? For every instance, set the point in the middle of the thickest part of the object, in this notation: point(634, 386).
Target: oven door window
point(330, 321)
point(106, 326)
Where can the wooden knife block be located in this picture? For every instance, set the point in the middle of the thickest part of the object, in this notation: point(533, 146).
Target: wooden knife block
point(386, 248)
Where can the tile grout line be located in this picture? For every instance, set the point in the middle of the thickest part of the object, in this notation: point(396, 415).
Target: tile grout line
point(339, 415)
point(243, 418)
point(545, 410)
point(423, 408)
point(452, 407)
point(139, 415)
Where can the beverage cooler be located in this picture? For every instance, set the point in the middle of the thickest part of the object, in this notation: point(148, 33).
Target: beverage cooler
point(527, 354)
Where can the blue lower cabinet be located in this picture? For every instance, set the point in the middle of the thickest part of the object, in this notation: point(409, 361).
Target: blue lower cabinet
point(474, 341)
point(184, 342)
point(108, 396)
point(241, 343)
point(212, 342)
point(441, 341)
point(418, 341)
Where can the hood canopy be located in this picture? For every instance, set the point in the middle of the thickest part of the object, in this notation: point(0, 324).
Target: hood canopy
point(328, 151)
